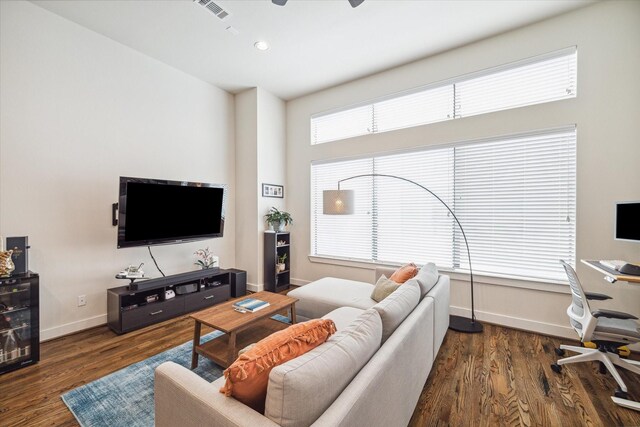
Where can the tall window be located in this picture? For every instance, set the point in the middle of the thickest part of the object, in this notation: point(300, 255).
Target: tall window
point(544, 78)
point(514, 196)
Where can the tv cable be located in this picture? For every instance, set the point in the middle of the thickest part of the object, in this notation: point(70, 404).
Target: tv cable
point(154, 261)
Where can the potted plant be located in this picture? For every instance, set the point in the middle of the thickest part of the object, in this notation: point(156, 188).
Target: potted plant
point(278, 219)
point(281, 266)
point(205, 258)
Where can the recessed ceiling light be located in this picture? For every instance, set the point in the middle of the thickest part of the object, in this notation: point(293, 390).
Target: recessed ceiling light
point(261, 45)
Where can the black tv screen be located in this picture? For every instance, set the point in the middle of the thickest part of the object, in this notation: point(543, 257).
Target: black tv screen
point(154, 211)
point(628, 221)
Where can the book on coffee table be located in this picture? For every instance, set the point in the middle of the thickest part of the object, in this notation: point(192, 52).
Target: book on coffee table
point(251, 304)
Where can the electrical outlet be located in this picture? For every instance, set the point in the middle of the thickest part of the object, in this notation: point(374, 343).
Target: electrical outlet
point(82, 300)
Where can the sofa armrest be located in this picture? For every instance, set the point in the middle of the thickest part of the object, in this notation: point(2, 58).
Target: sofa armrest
point(184, 399)
point(387, 271)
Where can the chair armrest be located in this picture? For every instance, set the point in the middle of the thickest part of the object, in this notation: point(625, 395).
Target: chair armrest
point(184, 399)
point(596, 296)
point(613, 314)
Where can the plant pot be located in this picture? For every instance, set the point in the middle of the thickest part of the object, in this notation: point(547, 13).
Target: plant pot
point(280, 267)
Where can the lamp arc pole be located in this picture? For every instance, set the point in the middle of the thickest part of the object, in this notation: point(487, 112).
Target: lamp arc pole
point(456, 323)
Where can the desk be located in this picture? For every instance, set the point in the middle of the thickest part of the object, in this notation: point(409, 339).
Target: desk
point(611, 274)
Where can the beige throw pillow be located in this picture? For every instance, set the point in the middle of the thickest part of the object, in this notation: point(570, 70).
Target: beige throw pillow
point(384, 287)
point(427, 278)
point(397, 306)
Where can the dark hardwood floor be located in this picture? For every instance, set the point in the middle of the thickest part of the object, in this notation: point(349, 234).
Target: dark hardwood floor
point(503, 377)
point(500, 377)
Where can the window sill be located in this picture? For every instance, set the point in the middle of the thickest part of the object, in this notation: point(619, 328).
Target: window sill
point(545, 285)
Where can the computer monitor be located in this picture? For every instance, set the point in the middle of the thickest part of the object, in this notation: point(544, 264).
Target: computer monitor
point(627, 226)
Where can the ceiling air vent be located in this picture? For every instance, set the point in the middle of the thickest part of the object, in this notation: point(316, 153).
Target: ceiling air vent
point(213, 8)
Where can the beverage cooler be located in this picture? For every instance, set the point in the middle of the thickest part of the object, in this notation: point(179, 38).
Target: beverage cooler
point(19, 321)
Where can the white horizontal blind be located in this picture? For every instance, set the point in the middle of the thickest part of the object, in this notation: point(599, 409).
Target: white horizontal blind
point(333, 236)
point(420, 108)
point(549, 77)
point(542, 81)
point(515, 198)
point(343, 124)
point(411, 224)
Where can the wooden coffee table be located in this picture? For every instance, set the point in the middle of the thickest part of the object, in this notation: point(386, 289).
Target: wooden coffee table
point(240, 329)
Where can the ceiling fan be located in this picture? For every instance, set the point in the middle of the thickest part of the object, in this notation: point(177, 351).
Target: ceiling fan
point(353, 3)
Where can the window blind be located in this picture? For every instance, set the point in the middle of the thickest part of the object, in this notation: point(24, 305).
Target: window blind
point(411, 224)
point(516, 199)
point(544, 78)
point(514, 196)
point(550, 79)
point(350, 239)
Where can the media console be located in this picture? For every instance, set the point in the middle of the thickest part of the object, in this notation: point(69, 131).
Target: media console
point(145, 302)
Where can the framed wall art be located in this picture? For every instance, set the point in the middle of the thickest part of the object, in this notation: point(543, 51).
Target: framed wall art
point(272, 190)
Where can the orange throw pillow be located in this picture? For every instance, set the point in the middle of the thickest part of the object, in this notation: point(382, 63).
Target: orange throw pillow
point(404, 273)
point(248, 377)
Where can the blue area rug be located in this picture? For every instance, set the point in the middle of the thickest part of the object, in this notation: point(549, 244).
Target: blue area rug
point(125, 397)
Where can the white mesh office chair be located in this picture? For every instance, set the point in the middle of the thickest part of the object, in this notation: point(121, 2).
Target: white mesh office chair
point(607, 329)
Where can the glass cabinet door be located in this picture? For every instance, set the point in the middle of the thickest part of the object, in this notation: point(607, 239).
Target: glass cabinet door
point(15, 322)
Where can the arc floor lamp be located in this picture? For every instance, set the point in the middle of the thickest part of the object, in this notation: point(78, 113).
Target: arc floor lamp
point(341, 202)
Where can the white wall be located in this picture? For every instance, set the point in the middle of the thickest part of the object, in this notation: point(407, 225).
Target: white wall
point(78, 110)
point(606, 112)
point(260, 140)
point(247, 255)
point(272, 165)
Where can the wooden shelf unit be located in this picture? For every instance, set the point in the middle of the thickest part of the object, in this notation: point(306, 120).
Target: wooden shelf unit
point(276, 281)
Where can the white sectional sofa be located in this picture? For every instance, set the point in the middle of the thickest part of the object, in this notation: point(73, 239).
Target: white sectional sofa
point(370, 373)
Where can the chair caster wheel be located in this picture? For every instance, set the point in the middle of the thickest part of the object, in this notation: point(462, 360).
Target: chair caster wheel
point(556, 368)
point(620, 394)
point(559, 351)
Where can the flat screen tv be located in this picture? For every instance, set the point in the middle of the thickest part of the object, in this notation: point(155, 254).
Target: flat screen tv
point(628, 221)
point(157, 212)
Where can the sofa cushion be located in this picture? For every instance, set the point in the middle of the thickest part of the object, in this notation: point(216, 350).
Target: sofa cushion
point(324, 295)
point(427, 278)
point(248, 376)
point(302, 389)
point(383, 288)
point(404, 273)
point(343, 316)
point(397, 306)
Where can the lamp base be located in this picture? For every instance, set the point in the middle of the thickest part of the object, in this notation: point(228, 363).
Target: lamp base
point(462, 324)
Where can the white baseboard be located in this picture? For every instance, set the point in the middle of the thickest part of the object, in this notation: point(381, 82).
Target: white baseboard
point(518, 323)
point(69, 328)
point(563, 331)
point(255, 288)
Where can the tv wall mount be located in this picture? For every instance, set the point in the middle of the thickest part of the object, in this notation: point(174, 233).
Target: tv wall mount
point(114, 214)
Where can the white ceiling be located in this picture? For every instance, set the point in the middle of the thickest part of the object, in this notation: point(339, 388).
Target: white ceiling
point(315, 44)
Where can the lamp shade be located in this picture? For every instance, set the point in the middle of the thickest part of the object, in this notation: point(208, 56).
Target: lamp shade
point(337, 202)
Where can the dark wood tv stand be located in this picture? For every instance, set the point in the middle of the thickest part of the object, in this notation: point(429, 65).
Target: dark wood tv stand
point(144, 302)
